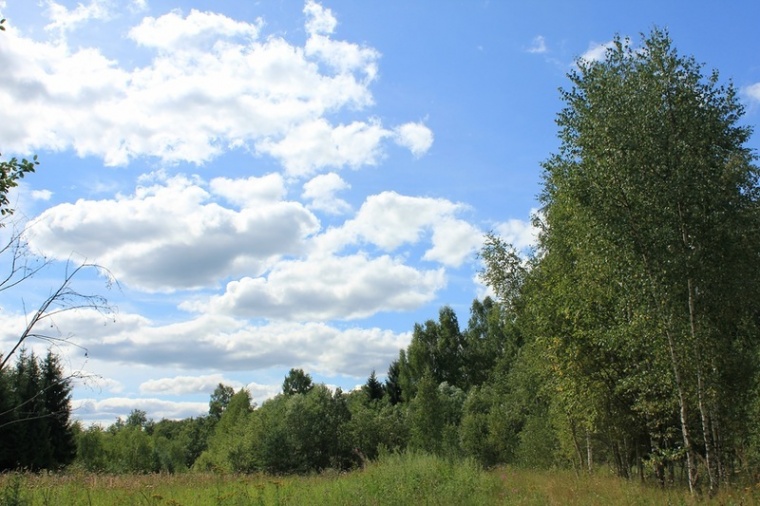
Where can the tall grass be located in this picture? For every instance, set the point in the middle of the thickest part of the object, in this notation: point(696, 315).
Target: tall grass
point(415, 479)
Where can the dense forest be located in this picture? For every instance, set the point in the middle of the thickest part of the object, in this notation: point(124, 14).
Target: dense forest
point(627, 338)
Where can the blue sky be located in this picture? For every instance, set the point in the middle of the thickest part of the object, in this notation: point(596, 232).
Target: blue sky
point(290, 184)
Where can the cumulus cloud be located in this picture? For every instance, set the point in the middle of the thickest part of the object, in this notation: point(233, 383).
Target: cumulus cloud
point(321, 192)
point(317, 144)
point(250, 192)
point(416, 137)
point(328, 288)
point(174, 33)
point(193, 243)
point(519, 233)
point(320, 20)
point(389, 220)
point(275, 99)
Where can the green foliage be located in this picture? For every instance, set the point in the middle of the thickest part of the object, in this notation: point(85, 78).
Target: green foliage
point(373, 388)
point(219, 401)
point(229, 446)
point(11, 171)
point(297, 382)
point(12, 493)
point(646, 283)
point(34, 422)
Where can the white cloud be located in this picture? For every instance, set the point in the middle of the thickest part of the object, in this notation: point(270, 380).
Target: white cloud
point(753, 92)
point(64, 19)
point(250, 192)
point(274, 99)
point(196, 241)
point(320, 20)
point(389, 220)
point(41, 194)
point(317, 144)
point(172, 32)
point(453, 241)
point(329, 288)
point(215, 342)
point(596, 52)
point(414, 136)
point(520, 234)
point(538, 46)
point(106, 411)
point(182, 385)
point(321, 192)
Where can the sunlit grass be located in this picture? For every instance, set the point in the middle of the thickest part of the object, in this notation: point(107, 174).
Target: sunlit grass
point(393, 480)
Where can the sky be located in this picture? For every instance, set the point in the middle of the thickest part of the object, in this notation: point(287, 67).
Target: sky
point(285, 184)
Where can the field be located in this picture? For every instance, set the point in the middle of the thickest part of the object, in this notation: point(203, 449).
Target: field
point(394, 480)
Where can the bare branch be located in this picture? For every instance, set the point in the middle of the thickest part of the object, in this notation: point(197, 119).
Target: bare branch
point(64, 299)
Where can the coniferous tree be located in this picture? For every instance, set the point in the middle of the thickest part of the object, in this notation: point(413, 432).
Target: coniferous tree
point(57, 397)
point(373, 388)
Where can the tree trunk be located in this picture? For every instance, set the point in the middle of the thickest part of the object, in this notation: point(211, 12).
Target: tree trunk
point(691, 468)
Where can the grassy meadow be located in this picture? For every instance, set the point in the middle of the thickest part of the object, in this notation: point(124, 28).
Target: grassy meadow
point(394, 479)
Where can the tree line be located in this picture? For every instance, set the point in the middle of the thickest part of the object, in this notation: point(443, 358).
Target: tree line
point(35, 426)
point(627, 338)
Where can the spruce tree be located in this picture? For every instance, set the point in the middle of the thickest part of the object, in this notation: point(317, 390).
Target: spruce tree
point(57, 397)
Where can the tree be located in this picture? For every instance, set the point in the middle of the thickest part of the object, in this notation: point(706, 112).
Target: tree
point(137, 419)
point(57, 398)
point(296, 382)
point(219, 401)
point(655, 194)
point(392, 385)
point(373, 388)
point(11, 171)
point(35, 414)
point(229, 446)
point(438, 347)
point(24, 266)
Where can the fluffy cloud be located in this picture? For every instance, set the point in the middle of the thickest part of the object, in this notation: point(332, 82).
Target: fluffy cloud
point(250, 192)
point(389, 220)
point(520, 234)
point(274, 100)
point(321, 192)
point(416, 137)
point(320, 20)
point(317, 144)
point(327, 288)
point(171, 32)
point(193, 244)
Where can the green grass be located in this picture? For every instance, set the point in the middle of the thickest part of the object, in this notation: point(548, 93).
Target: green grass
point(393, 480)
